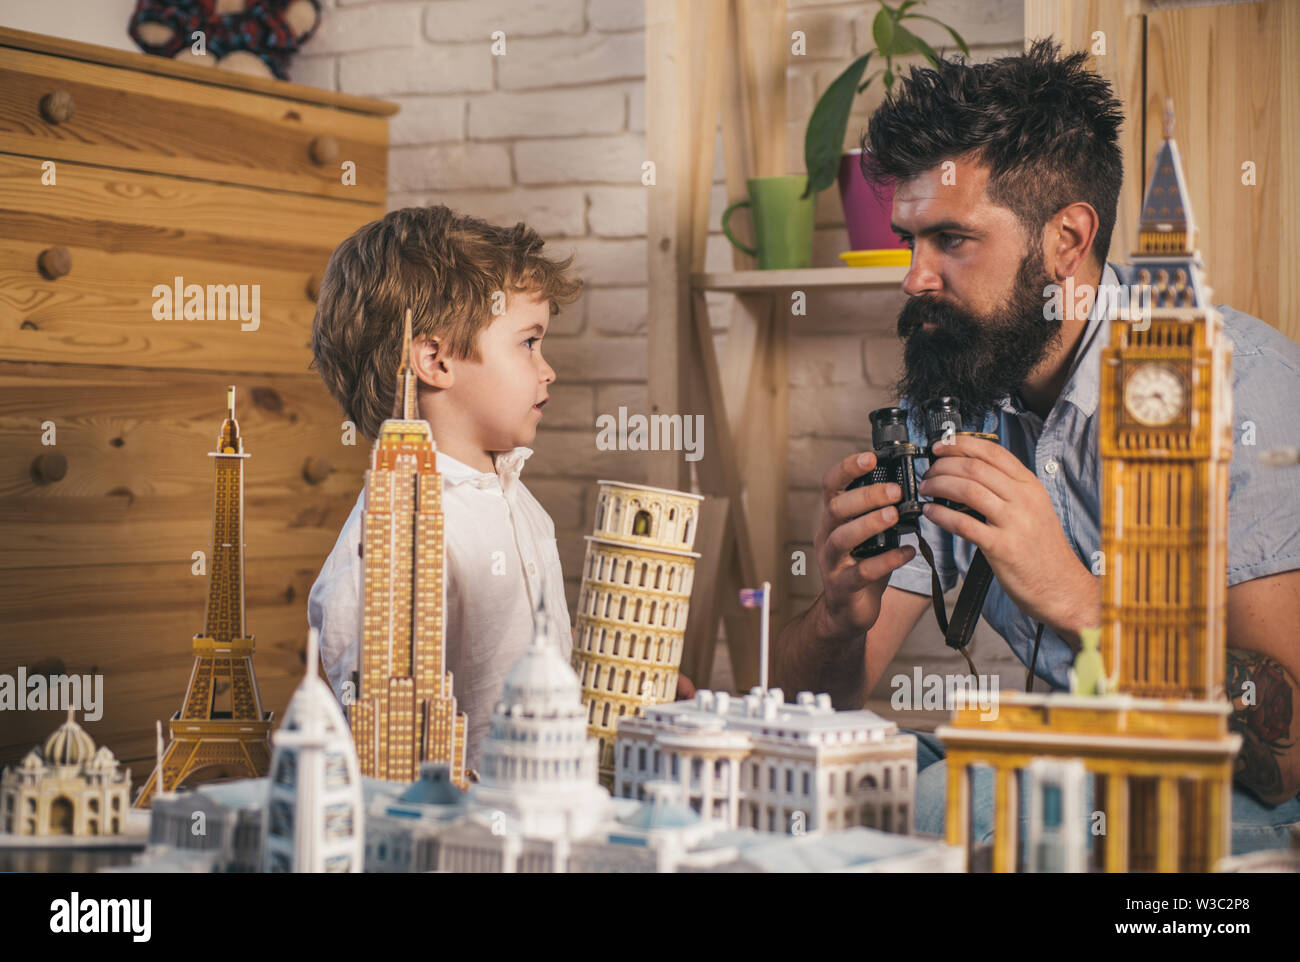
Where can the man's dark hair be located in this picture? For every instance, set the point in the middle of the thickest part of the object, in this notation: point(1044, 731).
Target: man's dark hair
point(1045, 126)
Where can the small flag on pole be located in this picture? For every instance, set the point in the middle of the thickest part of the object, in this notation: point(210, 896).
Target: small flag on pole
point(759, 598)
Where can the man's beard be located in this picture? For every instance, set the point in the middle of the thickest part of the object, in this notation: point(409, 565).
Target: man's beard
point(978, 359)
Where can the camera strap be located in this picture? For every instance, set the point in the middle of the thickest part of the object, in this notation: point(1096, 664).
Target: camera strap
point(970, 600)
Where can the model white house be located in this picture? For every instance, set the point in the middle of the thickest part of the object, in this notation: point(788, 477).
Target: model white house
point(757, 762)
point(315, 815)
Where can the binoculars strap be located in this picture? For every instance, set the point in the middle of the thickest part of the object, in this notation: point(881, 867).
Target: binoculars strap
point(970, 600)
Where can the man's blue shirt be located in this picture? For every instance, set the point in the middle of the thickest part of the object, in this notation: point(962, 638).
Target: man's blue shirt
point(1263, 501)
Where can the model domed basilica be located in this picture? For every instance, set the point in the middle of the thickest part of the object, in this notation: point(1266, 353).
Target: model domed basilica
point(66, 787)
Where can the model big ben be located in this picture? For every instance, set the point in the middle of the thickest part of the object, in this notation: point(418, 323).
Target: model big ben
point(1150, 725)
point(1166, 440)
point(405, 712)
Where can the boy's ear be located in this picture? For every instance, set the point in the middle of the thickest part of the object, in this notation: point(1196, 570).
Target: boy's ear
point(430, 363)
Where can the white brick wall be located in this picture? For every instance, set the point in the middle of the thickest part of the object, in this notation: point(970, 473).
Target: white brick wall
point(553, 134)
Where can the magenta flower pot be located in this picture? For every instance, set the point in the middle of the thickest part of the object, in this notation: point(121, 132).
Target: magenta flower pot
point(866, 215)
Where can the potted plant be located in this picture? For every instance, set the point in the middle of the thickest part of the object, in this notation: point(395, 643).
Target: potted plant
point(866, 206)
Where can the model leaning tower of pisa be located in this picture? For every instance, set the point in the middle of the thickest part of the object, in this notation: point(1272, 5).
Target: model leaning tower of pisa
point(636, 592)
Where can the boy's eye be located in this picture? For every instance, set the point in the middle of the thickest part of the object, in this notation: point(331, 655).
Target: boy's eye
point(531, 341)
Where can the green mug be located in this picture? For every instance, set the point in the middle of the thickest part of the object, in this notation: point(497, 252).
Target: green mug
point(783, 221)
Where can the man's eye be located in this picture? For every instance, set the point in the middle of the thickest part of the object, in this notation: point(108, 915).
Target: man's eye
point(951, 241)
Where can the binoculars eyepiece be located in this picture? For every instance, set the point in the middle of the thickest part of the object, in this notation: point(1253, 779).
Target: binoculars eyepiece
point(896, 461)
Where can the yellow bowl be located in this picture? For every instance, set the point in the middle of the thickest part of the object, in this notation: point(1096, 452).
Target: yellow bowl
point(901, 257)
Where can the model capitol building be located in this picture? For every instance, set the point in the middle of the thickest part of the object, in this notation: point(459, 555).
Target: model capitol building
point(633, 604)
point(539, 766)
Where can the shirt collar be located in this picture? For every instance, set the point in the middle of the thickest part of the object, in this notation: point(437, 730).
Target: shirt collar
point(509, 464)
point(1083, 385)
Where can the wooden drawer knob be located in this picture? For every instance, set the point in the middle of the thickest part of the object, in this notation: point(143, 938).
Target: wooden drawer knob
point(49, 467)
point(324, 150)
point(317, 470)
point(57, 106)
point(313, 287)
point(54, 262)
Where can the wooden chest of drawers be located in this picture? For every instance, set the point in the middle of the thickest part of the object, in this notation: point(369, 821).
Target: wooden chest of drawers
point(121, 175)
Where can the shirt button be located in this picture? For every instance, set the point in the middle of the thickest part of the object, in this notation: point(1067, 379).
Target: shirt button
point(1050, 467)
point(532, 568)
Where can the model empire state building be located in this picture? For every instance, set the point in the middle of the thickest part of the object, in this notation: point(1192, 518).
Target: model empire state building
point(405, 712)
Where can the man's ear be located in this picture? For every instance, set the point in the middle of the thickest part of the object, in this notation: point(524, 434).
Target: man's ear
point(1070, 242)
point(430, 362)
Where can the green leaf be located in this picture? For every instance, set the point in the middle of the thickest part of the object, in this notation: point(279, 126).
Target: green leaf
point(867, 82)
point(889, 79)
point(824, 140)
point(955, 35)
point(882, 31)
point(926, 50)
point(903, 7)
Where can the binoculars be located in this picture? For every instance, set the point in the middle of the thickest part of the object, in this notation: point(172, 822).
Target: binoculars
point(896, 461)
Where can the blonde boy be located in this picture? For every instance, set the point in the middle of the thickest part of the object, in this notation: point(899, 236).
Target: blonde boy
point(482, 298)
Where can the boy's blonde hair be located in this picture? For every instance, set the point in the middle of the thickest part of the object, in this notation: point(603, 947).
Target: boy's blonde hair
point(446, 267)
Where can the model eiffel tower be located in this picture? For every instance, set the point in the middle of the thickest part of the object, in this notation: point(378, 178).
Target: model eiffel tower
point(221, 730)
point(405, 712)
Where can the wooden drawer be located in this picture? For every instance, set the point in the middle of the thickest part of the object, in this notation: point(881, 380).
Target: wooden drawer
point(101, 312)
point(141, 121)
point(122, 232)
point(138, 487)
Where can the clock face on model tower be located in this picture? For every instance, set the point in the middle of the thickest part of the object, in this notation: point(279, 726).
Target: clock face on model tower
point(1154, 394)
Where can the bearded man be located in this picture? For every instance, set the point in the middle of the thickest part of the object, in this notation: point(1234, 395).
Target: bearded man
point(1006, 182)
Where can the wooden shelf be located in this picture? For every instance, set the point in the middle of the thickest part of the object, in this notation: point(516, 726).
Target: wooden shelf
point(812, 277)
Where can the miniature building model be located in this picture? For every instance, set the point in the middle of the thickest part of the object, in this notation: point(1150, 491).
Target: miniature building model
point(405, 711)
point(233, 817)
point(760, 763)
point(1057, 827)
point(539, 766)
point(221, 730)
point(315, 815)
point(1159, 751)
point(633, 604)
point(66, 787)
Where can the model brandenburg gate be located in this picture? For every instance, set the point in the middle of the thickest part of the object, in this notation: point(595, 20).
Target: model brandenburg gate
point(221, 730)
point(1155, 738)
point(405, 712)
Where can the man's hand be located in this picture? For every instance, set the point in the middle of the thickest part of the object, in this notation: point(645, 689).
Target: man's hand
point(1020, 536)
point(851, 589)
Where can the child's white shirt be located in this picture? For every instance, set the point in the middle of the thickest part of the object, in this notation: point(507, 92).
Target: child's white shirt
point(501, 554)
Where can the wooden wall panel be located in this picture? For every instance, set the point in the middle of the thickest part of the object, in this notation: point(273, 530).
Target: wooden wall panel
point(133, 624)
point(1221, 65)
point(139, 481)
point(163, 170)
